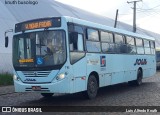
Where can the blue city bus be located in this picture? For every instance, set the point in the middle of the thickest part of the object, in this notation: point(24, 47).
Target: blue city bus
point(69, 55)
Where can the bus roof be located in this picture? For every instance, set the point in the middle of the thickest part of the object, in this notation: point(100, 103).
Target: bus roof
point(104, 27)
point(92, 25)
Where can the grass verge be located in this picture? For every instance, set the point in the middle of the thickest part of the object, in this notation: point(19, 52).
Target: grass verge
point(6, 79)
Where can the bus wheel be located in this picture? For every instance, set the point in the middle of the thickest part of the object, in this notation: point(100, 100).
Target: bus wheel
point(138, 82)
point(47, 95)
point(92, 87)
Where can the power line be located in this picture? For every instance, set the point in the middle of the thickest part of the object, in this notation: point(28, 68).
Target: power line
point(150, 11)
point(150, 8)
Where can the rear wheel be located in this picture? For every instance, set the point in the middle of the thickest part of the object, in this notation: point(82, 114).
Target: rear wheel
point(138, 81)
point(92, 87)
point(47, 95)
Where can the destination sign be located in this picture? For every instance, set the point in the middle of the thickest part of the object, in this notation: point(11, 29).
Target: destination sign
point(26, 61)
point(38, 24)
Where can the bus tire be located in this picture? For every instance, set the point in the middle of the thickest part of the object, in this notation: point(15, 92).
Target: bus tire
point(92, 87)
point(47, 95)
point(138, 81)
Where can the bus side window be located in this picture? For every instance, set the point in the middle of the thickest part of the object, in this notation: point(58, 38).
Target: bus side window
point(80, 43)
point(120, 45)
point(147, 47)
point(92, 34)
point(139, 45)
point(119, 39)
point(76, 47)
point(106, 37)
point(76, 43)
point(92, 42)
point(131, 49)
point(152, 46)
point(107, 42)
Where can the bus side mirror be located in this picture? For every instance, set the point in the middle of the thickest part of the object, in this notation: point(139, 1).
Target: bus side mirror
point(6, 37)
point(6, 41)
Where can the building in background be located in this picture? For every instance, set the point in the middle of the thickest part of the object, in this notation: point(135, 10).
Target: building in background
point(11, 14)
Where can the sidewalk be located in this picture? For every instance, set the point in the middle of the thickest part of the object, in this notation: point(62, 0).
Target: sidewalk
point(6, 89)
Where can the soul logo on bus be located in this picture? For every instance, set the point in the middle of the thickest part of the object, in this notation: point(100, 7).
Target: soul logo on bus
point(29, 79)
point(140, 62)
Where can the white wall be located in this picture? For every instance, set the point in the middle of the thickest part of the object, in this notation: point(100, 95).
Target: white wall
point(7, 21)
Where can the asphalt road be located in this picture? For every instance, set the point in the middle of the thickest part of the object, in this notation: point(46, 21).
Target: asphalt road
point(148, 94)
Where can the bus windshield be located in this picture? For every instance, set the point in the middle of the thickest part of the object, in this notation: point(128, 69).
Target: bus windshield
point(39, 49)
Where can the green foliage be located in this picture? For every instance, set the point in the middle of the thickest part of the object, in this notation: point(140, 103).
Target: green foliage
point(6, 79)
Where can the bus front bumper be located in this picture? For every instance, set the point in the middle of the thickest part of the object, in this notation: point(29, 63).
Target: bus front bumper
point(56, 87)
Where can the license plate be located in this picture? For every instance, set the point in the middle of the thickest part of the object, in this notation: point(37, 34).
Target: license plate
point(36, 87)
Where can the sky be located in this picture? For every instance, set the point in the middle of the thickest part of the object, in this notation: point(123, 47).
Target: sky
point(148, 11)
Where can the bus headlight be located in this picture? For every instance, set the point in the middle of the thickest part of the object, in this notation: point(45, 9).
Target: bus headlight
point(16, 78)
point(60, 76)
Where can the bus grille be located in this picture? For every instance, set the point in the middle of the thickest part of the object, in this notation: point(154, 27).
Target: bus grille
point(36, 73)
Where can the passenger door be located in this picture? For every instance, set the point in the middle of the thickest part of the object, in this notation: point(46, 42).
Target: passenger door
point(78, 61)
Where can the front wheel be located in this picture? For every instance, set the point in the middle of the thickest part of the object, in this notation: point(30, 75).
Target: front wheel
point(47, 95)
point(92, 87)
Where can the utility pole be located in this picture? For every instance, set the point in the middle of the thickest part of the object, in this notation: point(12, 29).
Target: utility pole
point(134, 13)
point(115, 23)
